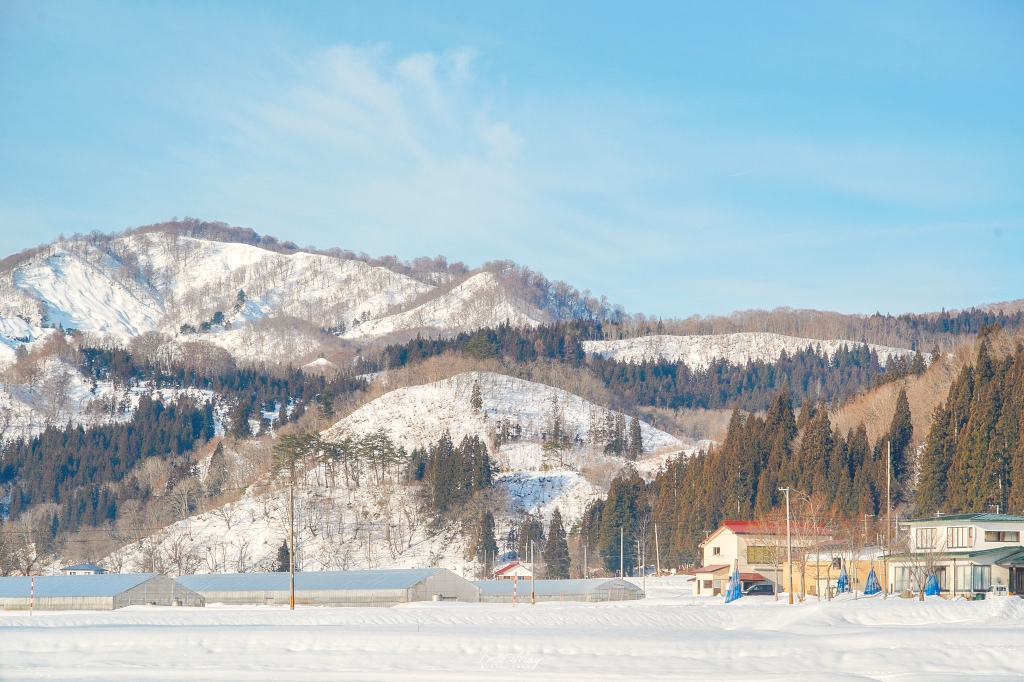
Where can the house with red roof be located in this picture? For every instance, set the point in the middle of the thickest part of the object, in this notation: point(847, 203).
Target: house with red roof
point(514, 570)
point(756, 548)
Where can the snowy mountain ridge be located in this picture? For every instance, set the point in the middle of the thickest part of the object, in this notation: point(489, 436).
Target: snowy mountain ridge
point(174, 284)
point(700, 352)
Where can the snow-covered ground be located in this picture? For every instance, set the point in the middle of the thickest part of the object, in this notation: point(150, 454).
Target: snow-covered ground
point(668, 636)
point(698, 352)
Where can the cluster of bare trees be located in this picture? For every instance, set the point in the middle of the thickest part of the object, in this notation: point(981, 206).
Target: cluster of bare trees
point(822, 544)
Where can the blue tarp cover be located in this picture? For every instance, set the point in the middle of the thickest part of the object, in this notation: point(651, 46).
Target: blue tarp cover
point(931, 586)
point(843, 584)
point(872, 586)
point(735, 589)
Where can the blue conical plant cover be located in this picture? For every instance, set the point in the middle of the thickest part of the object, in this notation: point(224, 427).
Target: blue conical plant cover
point(931, 586)
point(871, 586)
point(735, 589)
point(843, 584)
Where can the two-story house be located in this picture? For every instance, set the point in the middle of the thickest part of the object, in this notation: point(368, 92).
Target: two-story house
point(756, 549)
point(969, 554)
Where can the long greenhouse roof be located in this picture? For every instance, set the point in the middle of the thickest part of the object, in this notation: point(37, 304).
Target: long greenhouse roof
point(549, 587)
point(106, 585)
point(395, 579)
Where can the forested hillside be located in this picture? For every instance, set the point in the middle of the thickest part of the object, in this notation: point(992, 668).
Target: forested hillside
point(655, 383)
point(149, 380)
point(974, 456)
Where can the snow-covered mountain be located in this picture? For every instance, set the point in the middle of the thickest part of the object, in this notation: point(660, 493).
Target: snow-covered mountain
point(480, 301)
point(175, 284)
point(699, 352)
point(379, 523)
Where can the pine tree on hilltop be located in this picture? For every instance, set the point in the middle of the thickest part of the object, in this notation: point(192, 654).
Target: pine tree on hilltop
point(476, 401)
point(556, 551)
point(636, 440)
point(217, 473)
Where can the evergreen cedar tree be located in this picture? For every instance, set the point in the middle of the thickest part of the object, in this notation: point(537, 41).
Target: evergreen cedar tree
point(556, 549)
point(973, 458)
point(671, 385)
point(283, 557)
point(217, 472)
point(476, 400)
point(486, 544)
point(531, 529)
point(453, 474)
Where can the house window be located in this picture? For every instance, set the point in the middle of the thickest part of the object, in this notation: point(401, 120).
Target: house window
point(973, 578)
point(959, 537)
point(708, 584)
point(716, 550)
point(1002, 536)
point(837, 564)
point(926, 538)
point(982, 578)
point(760, 555)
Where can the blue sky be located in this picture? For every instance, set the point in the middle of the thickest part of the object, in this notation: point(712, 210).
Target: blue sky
point(680, 159)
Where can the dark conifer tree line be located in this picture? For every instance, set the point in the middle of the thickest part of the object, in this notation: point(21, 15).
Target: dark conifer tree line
point(453, 474)
point(669, 384)
point(973, 460)
point(740, 479)
point(74, 466)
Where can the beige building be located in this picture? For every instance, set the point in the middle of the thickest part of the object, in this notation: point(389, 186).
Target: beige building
point(758, 551)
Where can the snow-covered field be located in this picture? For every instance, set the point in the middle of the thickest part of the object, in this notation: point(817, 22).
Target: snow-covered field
point(698, 352)
point(667, 636)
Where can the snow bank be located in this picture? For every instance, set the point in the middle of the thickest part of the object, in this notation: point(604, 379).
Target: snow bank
point(661, 638)
point(699, 352)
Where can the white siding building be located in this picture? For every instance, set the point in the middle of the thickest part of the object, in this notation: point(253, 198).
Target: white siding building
point(969, 554)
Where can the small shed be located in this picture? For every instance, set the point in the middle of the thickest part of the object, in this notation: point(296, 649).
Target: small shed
point(83, 569)
point(591, 590)
point(513, 570)
point(95, 592)
point(335, 588)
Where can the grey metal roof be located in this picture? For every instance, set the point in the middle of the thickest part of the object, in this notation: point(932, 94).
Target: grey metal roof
point(84, 567)
point(979, 517)
point(394, 579)
point(550, 587)
point(106, 585)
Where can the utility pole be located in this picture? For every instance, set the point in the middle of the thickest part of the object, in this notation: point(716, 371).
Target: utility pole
point(533, 576)
point(888, 516)
point(585, 575)
point(291, 539)
point(657, 549)
point(789, 545)
point(621, 574)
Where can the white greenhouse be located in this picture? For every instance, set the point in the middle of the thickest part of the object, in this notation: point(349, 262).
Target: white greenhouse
point(335, 588)
point(94, 592)
point(591, 590)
